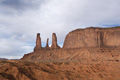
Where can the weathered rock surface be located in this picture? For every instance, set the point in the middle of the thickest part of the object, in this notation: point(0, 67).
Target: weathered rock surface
point(81, 44)
point(54, 42)
point(38, 42)
point(47, 44)
point(96, 70)
point(93, 37)
point(85, 55)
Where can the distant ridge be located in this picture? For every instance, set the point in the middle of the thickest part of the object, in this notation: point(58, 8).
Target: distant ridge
point(3, 59)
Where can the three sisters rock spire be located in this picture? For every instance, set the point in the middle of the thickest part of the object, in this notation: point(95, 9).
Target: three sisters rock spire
point(53, 46)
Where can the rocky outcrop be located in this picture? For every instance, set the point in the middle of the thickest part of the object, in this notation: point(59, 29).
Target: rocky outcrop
point(84, 38)
point(47, 44)
point(38, 42)
point(53, 46)
point(81, 44)
point(93, 37)
point(54, 42)
point(85, 55)
point(91, 53)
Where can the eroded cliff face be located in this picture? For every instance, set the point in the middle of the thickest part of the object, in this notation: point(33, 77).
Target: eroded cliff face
point(81, 44)
point(91, 53)
point(84, 38)
point(93, 37)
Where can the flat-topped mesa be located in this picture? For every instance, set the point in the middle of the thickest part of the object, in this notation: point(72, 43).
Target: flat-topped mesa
point(47, 44)
point(54, 42)
point(38, 42)
point(93, 37)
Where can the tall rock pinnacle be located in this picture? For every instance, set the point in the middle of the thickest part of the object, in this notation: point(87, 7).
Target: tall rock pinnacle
point(54, 42)
point(38, 42)
point(47, 44)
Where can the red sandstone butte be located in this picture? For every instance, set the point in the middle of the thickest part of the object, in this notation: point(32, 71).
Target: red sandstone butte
point(93, 37)
point(54, 42)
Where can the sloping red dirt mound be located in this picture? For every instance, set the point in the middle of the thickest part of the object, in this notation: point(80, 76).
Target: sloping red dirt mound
point(70, 70)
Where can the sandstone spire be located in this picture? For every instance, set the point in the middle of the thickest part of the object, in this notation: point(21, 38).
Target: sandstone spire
point(54, 42)
point(47, 45)
point(38, 42)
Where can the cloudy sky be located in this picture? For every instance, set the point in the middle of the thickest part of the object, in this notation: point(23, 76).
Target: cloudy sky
point(20, 20)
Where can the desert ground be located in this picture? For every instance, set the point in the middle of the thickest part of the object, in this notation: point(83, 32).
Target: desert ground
point(59, 70)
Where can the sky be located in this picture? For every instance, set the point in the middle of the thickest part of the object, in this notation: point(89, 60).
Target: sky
point(21, 20)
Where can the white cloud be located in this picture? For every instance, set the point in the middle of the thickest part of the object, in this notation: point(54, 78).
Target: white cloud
point(18, 27)
point(13, 47)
